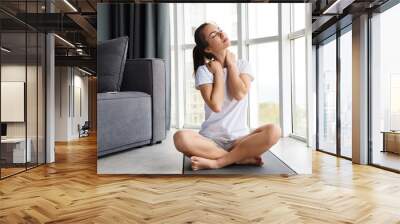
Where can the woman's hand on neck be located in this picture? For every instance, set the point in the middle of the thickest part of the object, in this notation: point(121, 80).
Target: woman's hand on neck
point(230, 59)
point(225, 57)
point(221, 57)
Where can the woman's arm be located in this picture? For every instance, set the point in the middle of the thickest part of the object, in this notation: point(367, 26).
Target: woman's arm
point(213, 94)
point(238, 84)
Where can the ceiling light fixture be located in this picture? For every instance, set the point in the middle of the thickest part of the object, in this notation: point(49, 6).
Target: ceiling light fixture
point(79, 51)
point(64, 40)
point(86, 72)
point(5, 50)
point(338, 6)
point(70, 5)
point(333, 8)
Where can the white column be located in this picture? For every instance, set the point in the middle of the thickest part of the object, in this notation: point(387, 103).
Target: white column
point(360, 90)
point(50, 92)
point(50, 99)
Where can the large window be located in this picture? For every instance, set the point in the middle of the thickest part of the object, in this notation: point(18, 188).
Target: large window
point(334, 111)
point(194, 103)
point(327, 96)
point(298, 16)
point(385, 89)
point(225, 15)
point(299, 78)
point(335, 73)
point(258, 15)
point(346, 93)
point(264, 56)
point(299, 88)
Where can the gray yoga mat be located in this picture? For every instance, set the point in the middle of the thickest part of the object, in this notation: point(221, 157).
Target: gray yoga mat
point(272, 165)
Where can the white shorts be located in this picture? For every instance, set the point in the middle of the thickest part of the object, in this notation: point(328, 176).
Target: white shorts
point(226, 144)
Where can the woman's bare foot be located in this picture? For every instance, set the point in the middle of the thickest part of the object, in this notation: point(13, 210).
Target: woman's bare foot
point(257, 161)
point(199, 163)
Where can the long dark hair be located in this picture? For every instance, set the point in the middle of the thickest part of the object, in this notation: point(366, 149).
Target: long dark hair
point(198, 51)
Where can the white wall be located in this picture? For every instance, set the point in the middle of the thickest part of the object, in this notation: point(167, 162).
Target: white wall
point(62, 81)
point(70, 83)
point(80, 83)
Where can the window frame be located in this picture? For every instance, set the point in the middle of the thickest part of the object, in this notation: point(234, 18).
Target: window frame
point(253, 111)
point(294, 35)
point(337, 38)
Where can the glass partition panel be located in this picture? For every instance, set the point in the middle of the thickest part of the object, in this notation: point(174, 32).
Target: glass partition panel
point(14, 150)
point(41, 79)
point(22, 87)
point(31, 98)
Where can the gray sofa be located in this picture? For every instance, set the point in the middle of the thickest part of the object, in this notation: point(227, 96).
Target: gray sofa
point(131, 102)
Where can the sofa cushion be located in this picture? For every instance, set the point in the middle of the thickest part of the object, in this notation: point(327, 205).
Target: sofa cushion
point(124, 118)
point(111, 58)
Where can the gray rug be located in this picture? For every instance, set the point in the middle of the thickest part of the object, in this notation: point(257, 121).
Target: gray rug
point(272, 165)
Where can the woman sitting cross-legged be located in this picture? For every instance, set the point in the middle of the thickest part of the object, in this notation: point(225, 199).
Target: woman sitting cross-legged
point(224, 83)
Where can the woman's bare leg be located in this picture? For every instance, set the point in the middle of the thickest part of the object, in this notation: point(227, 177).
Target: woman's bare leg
point(247, 161)
point(191, 143)
point(253, 145)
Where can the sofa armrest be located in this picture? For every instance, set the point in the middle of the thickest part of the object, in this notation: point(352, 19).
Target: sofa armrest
point(149, 75)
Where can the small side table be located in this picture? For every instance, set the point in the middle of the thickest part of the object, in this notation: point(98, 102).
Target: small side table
point(391, 141)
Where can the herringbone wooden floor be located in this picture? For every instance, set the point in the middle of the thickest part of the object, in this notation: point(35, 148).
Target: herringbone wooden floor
point(70, 191)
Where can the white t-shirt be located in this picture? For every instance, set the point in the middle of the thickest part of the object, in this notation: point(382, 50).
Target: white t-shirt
point(231, 122)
